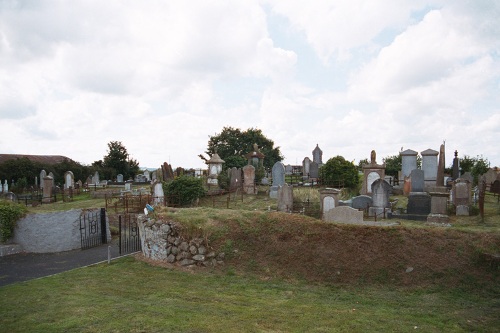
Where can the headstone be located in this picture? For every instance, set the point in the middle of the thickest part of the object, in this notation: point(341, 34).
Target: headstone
point(314, 170)
point(468, 176)
point(317, 155)
point(417, 180)
point(361, 202)
point(235, 180)
point(119, 178)
point(78, 184)
point(158, 194)
point(490, 176)
point(1, 186)
point(278, 175)
point(249, 179)
point(69, 180)
point(285, 198)
point(95, 178)
point(343, 214)
point(168, 173)
point(329, 199)
point(147, 175)
point(456, 167)
point(408, 163)
point(128, 186)
point(305, 167)
point(43, 174)
point(53, 179)
point(370, 178)
point(288, 169)
point(419, 203)
point(264, 181)
point(154, 176)
point(495, 187)
point(89, 180)
point(461, 190)
point(10, 197)
point(47, 189)
point(430, 166)
point(406, 185)
point(381, 191)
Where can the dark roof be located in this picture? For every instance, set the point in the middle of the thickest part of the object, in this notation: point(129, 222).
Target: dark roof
point(45, 159)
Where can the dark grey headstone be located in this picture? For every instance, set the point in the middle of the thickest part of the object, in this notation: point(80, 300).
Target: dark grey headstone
point(381, 190)
point(419, 203)
point(417, 180)
point(313, 170)
point(361, 202)
point(278, 174)
point(235, 178)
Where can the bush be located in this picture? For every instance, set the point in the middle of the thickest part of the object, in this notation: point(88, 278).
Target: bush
point(10, 212)
point(337, 171)
point(185, 189)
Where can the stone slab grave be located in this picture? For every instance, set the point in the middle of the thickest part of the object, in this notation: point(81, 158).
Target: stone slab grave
point(419, 203)
point(361, 202)
point(343, 214)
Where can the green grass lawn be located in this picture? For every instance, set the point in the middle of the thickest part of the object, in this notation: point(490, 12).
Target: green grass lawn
point(131, 296)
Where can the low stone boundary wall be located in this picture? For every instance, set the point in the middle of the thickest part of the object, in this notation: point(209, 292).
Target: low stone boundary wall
point(162, 241)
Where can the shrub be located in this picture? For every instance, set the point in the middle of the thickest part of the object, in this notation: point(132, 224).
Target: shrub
point(185, 189)
point(337, 171)
point(10, 212)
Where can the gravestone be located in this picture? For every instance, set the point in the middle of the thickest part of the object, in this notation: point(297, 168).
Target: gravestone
point(317, 155)
point(440, 170)
point(468, 176)
point(482, 193)
point(490, 176)
point(95, 178)
point(461, 193)
point(119, 178)
point(288, 169)
point(167, 172)
point(329, 199)
point(128, 185)
point(285, 198)
point(1, 186)
point(305, 167)
point(495, 187)
point(407, 185)
point(89, 180)
point(154, 175)
point(43, 174)
point(430, 166)
point(69, 180)
point(5, 187)
point(158, 194)
point(408, 163)
point(314, 170)
point(344, 214)
point(381, 191)
point(371, 172)
point(235, 180)
point(417, 180)
point(361, 202)
point(419, 203)
point(278, 174)
point(249, 179)
point(78, 185)
point(147, 175)
point(264, 181)
point(47, 189)
point(10, 197)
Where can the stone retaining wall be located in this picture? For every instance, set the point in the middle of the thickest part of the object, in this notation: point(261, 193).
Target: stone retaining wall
point(162, 241)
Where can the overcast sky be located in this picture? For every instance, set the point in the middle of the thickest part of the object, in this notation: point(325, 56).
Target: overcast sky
point(162, 76)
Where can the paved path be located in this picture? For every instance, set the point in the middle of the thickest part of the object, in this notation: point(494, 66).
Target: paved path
point(26, 266)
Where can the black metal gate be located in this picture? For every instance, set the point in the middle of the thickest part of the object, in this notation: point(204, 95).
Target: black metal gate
point(93, 228)
point(129, 234)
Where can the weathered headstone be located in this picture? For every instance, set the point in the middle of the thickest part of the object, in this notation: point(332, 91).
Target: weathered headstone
point(43, 174)
point(419, 203)
point(461, 194)
point(490, 176)
point(10, 196)
point(5, 186)
point(278, 175)
point(95, 178)
point(468, 176)
point(69, 180)
point(249, 179)
point(495, 187)
point(305, 167)
point(441, 165)
point(343, 214)
point(47, 189)
point(147, 175)
point(235, 180)
point(329, 199)
point(314, 170)
point(361, 202)
point(417, 180)
point(158, 194)
point(285, 198)
point(128, 185)
point(429, 166)
point(264, 181)
point(119, 178)
point(381, 191)
point(288, 169)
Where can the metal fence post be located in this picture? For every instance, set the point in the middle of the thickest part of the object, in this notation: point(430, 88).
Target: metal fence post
point(104, 233)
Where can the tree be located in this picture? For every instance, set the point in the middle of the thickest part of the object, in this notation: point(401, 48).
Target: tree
point(232, 145)
point(393, 165)
point(184, 189)
point(337, 171)
point(119, 161)
point(481, 166)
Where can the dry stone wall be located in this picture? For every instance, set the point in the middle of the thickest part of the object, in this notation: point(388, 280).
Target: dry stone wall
point(161, 241)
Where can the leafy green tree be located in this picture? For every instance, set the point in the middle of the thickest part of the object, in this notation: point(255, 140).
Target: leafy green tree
point(118, 161)
point(481, 166)
point(361, 163)
point(232, 145)
point(184, 189)
point(393, 165)
point(338, 171)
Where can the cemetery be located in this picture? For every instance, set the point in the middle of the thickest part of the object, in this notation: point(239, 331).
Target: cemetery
point(286, 221)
